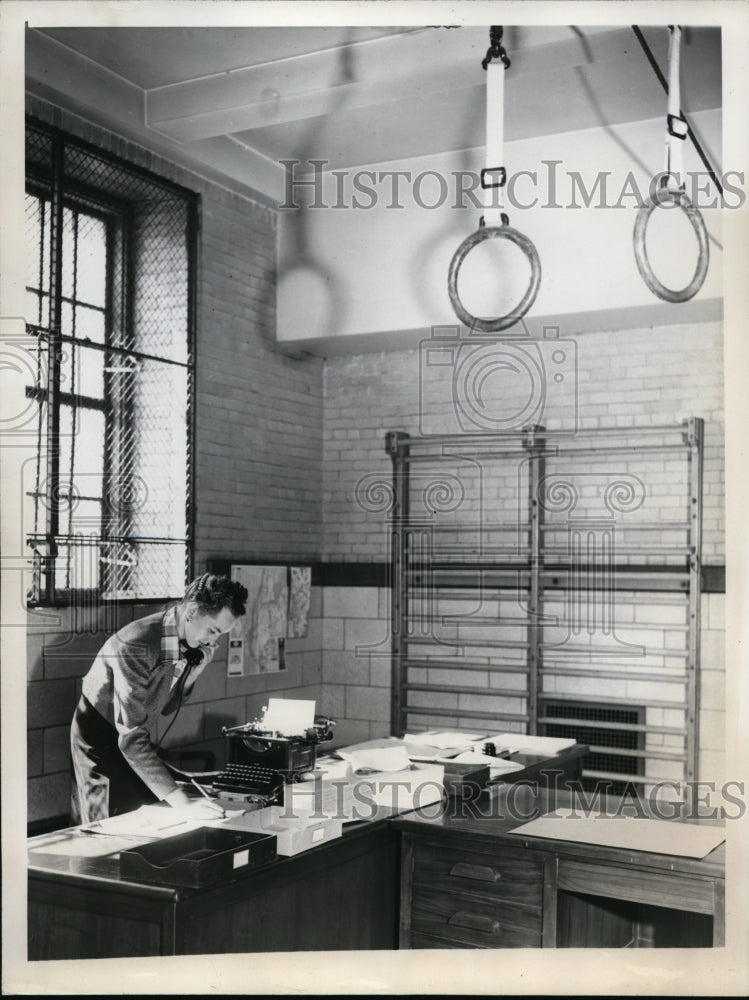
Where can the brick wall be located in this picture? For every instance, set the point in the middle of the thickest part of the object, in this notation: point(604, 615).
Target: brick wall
point(625, 378)
point(257, 476)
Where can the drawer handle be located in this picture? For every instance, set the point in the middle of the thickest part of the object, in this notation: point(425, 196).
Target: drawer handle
point(483, 873)
point(475, 922)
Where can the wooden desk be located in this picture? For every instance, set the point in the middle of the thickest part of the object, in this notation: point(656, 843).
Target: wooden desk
point(338, 896)
point(341, 895)
point(466, 881)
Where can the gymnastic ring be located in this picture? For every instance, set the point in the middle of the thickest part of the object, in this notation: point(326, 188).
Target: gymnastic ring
point(502, 322)
point(664, 196)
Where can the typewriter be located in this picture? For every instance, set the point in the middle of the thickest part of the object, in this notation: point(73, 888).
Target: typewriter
point(249, 783)
point(290, 755)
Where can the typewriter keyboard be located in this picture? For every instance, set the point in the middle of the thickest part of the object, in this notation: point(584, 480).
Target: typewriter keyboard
point(251, 779)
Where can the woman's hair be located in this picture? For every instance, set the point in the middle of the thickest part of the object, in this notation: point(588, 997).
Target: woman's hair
point(214, 593)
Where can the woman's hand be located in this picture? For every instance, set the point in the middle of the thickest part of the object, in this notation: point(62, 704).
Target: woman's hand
point(199, 808)
point(205, 809)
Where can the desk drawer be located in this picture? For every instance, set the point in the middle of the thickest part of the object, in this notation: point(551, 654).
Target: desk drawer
point(669, 890)
point(507, 876)
point(472, 922)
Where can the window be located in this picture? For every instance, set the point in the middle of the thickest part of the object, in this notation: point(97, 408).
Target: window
point(110, 289)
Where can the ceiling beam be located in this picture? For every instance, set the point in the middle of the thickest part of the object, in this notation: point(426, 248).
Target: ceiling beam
point(58, 75)
point(54, 65)
point(363, 75)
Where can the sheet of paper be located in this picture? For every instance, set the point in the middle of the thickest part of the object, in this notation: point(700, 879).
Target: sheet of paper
point(444, 740)
point(377, 759)
point(154, 822)
point(632, 833)
point(540, 745)
point(264, 624)
point(331, 768)
point(86, 845)
point(289, 716)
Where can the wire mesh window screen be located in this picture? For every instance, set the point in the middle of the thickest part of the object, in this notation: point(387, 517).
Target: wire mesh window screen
point(110, 263)
point(615, 736)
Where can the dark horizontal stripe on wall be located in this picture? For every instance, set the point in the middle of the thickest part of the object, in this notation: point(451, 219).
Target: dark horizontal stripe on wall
point(714, 579)
point(360, 574)
point(352, 574)
point(323, 574)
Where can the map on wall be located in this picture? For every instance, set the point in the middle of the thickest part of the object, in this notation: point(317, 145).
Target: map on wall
point(278, 599)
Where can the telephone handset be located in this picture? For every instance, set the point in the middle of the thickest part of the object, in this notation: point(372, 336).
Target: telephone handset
point(192, 655)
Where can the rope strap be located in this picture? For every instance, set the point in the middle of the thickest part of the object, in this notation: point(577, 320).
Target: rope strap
point(671, 191)
point(494, 175)
point(494, 224)
point(676, 126)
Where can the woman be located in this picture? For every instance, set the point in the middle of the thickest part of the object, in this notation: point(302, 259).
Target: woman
point(143, 671)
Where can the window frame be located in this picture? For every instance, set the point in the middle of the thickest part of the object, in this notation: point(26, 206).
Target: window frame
point(116, 213)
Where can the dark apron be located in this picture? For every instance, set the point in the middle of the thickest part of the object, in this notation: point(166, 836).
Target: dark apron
point(104, 784)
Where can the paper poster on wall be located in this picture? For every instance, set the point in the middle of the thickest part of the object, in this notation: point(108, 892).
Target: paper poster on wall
point(263, 628)
point(300, 588)
point(235, 665)
point(278, 603)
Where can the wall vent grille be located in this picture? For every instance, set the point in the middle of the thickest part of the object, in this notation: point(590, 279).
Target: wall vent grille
point(600, 738)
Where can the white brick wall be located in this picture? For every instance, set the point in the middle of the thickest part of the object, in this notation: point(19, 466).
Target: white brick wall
point(625, 378)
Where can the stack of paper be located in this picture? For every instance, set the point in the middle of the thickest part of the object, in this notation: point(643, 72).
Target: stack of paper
point(439, 745)
point(543, 746)
point(331, 797)
point(374, 759)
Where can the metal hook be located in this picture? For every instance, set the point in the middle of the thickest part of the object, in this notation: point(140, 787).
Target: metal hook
point(495, 50)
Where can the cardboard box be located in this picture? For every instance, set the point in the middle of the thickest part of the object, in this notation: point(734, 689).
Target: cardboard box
point(293, 833)
point(465, 781)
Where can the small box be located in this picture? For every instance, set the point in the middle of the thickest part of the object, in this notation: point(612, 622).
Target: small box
point(205, 856)
point(464, 780)
point(333, 799)
point(293, 833)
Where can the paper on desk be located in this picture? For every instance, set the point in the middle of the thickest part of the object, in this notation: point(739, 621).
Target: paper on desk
point(434, 746)
point(153, 821)
point(86, 844)
point(632, 833)
point(540, 745)
point(289, 716)
point(444, 740)
point(377, 758)
point(328, 798)
point(330, 768)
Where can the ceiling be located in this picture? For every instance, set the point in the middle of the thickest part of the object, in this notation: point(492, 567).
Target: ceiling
point(233, 102)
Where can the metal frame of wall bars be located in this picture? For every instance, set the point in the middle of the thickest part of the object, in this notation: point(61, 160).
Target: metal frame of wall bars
point(539, 565)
